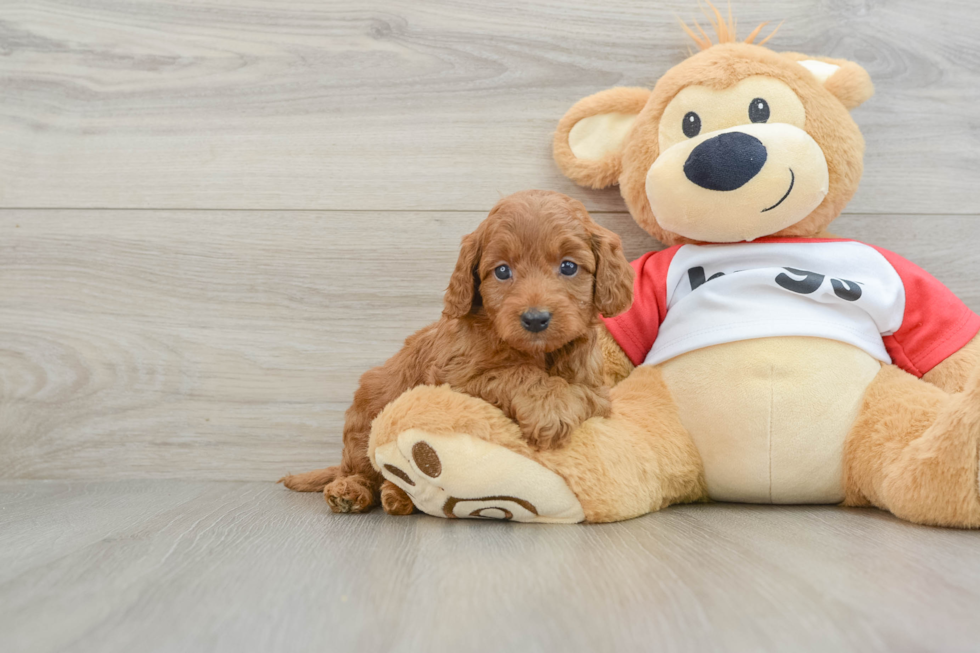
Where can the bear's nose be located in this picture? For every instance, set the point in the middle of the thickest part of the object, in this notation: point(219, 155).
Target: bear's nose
point(726, 161)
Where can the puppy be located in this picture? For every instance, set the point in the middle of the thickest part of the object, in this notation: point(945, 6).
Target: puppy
point(519, 329)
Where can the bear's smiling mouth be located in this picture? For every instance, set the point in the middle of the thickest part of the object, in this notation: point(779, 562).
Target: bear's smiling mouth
point(792, 180)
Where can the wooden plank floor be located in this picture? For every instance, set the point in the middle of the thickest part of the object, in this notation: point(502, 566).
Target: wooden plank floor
point(442, 104)
point(214, 216)
point(227, 345)
point(183, 565)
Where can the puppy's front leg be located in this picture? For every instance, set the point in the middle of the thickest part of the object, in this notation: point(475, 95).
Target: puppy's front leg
point(550, 409)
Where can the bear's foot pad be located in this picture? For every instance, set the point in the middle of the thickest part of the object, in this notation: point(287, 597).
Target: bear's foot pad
point(460, 476)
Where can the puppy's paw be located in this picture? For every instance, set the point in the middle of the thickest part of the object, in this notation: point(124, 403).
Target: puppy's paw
point(351, 494)
point(395, 501)
point(544, 435)
point(602, 406)
point(548, 423)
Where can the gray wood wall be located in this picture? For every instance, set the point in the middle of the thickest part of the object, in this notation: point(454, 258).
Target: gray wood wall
point(215, 216)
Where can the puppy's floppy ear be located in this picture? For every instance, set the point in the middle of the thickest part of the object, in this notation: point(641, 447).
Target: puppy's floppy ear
point(589, 141)
point(613, 291)
point(846, 80)
point(463, 293)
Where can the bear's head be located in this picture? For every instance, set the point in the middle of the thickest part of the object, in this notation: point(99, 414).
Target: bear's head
point(735, 143)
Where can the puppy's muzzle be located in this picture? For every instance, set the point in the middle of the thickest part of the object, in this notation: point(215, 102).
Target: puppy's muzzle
point(535, 320)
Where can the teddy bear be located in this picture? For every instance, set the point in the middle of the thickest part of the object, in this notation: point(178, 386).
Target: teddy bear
point(764, 360)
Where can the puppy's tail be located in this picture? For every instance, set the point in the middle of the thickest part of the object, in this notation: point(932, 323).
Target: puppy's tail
point(313, 481)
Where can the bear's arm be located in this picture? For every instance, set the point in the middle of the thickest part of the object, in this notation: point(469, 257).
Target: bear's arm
point(937, 339)
point(952, 373)
point(616, 364)
point(628, 337)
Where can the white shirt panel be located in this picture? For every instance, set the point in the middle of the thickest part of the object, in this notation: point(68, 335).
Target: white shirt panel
point(842, 291)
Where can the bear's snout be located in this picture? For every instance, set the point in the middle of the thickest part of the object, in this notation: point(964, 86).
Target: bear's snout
point(726, 161)
point(775, 173)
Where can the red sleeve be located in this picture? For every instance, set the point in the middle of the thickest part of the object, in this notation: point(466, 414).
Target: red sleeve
point(936, 324)
point(636, 329)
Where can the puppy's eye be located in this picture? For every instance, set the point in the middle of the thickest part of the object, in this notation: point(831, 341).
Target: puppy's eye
point(568, 268)
point(691, 124)
point(758, 110)
point(502, 272)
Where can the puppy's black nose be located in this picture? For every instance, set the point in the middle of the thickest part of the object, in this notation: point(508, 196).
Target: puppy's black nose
point(726, 162)
point(535, 321)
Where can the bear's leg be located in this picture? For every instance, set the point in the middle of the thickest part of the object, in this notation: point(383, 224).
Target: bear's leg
point(914, 451)
point(638, 460)
point(457, 455)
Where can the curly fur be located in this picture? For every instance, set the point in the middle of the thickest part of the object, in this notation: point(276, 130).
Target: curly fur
point(548, 382)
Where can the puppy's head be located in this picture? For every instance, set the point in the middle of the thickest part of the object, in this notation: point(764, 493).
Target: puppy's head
point(541, 270)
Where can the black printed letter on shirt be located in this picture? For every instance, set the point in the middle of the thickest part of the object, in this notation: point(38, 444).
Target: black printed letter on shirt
point(696, 275)
point(803, 286)
point(846, 290)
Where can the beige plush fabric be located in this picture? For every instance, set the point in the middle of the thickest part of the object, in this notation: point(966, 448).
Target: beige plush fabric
point(594, 137)
point(914, 450)
point(603, 171)
point(462, 476)
point(775, 420)
point(717, 70)
point(794, 180)
point(638, 460)
point(770, 416)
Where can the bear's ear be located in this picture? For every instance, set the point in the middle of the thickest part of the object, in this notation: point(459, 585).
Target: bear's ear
point(847, 81)
point(590, 137)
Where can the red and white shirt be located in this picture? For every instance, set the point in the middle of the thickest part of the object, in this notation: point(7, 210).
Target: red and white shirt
point(694, 296)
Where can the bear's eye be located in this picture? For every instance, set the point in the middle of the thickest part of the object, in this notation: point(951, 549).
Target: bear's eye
point(502, 272)
point(758, 110)
point(691, 124)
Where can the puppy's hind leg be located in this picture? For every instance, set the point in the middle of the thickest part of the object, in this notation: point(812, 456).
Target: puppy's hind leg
point(313, 481)
point(395, 501)
point(357, 486)
point(355, 493)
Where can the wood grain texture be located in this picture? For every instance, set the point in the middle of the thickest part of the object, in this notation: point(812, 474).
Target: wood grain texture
point(227, 345)
point(444, 104)
point(191, 566)
point(182, 343)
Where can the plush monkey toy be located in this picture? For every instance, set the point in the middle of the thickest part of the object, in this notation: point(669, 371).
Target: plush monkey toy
point(763, 360)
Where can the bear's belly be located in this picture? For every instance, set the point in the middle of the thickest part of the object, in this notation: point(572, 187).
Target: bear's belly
point(770, 416)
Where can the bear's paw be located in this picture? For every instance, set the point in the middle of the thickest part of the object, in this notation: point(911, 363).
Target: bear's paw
point(460, 476)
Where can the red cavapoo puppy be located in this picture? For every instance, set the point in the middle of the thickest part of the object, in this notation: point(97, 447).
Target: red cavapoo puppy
point(520, 329)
